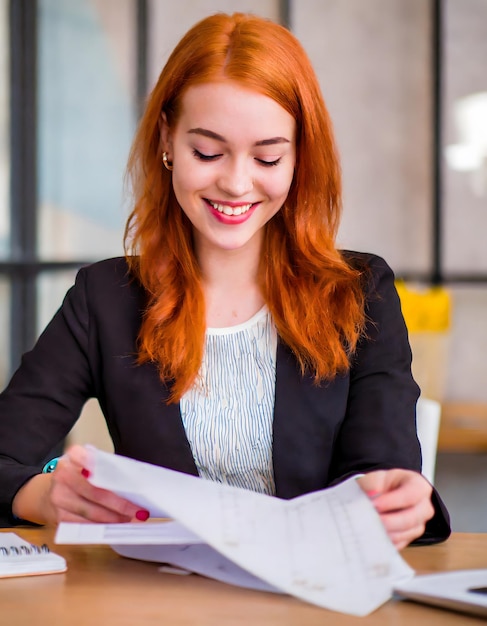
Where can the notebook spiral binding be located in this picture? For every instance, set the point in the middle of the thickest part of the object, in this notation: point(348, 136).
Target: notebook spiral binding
point(29, 550)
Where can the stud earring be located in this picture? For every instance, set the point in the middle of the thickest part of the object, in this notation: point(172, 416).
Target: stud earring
point(167, 164)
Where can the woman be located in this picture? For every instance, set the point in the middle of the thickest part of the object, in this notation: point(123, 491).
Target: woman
point(234, 341)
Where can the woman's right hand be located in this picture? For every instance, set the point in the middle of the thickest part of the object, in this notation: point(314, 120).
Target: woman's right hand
point(65, 495)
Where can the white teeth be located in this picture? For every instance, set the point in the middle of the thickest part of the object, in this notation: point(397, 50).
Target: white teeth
point(228, 210)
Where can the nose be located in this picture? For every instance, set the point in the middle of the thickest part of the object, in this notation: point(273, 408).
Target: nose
point(236, 178)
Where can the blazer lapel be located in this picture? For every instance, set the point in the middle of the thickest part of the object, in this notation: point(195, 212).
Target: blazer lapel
point(306, 420)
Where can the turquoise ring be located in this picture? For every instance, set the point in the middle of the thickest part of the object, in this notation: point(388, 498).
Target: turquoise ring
point(50, 466)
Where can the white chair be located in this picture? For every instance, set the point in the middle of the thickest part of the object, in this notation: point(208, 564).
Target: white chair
point(428, 415)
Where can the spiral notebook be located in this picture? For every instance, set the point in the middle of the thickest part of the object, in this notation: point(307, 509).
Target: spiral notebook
point(21, 558)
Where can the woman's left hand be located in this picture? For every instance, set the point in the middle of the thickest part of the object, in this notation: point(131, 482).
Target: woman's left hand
point(403, 500)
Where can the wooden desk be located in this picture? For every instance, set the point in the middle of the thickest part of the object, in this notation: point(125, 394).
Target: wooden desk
point(101, 588)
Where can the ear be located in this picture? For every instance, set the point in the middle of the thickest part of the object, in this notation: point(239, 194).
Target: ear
point(165, 135)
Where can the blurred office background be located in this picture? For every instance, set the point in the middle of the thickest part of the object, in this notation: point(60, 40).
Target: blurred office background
point(406, 85)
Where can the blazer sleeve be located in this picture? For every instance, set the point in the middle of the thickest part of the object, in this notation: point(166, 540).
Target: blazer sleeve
point(46, 394)
point(379, 431)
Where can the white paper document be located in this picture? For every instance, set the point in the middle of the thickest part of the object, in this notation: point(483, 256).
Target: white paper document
point(328, 547)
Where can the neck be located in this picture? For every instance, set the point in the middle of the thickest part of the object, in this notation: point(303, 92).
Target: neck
point(230, 284)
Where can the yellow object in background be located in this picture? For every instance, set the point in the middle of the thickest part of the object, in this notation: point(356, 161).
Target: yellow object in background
point(425, 310)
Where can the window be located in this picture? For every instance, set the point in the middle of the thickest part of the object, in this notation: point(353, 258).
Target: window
point(63, 151)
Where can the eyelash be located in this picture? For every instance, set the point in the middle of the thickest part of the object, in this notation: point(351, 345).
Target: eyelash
point(269, 163)
point(211, 157)
point(205, 157)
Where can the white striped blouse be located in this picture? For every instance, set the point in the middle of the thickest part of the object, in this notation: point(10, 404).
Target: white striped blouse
point(228, 413)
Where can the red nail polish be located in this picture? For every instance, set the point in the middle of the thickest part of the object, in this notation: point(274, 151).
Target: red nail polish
point(142, 515)
point(372, 494)
point(85, 472)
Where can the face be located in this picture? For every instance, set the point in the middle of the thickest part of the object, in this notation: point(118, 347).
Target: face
point(233, 152)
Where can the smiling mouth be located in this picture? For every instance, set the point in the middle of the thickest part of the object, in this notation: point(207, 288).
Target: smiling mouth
point(231, 210)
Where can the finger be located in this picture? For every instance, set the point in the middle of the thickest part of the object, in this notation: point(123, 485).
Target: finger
point(111, 501)
point(378, 482)
point(373, 483)
point(99, 505)
point(71, 464)
point(405, 526)
point(90, 502)
point(79, 456)
point(400, 521)
point(88, 512)
point(405, 494)
point(403, 539)
point(400, 502)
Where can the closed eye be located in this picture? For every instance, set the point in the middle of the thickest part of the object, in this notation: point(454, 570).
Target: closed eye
point(268, 163)
point(205, 157)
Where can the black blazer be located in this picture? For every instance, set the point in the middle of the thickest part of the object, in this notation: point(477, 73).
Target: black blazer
point(357, 422)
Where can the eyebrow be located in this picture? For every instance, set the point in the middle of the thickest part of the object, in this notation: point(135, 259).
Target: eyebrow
point(212, 135)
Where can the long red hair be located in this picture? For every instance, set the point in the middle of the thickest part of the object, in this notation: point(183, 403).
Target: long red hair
point(314, 296)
